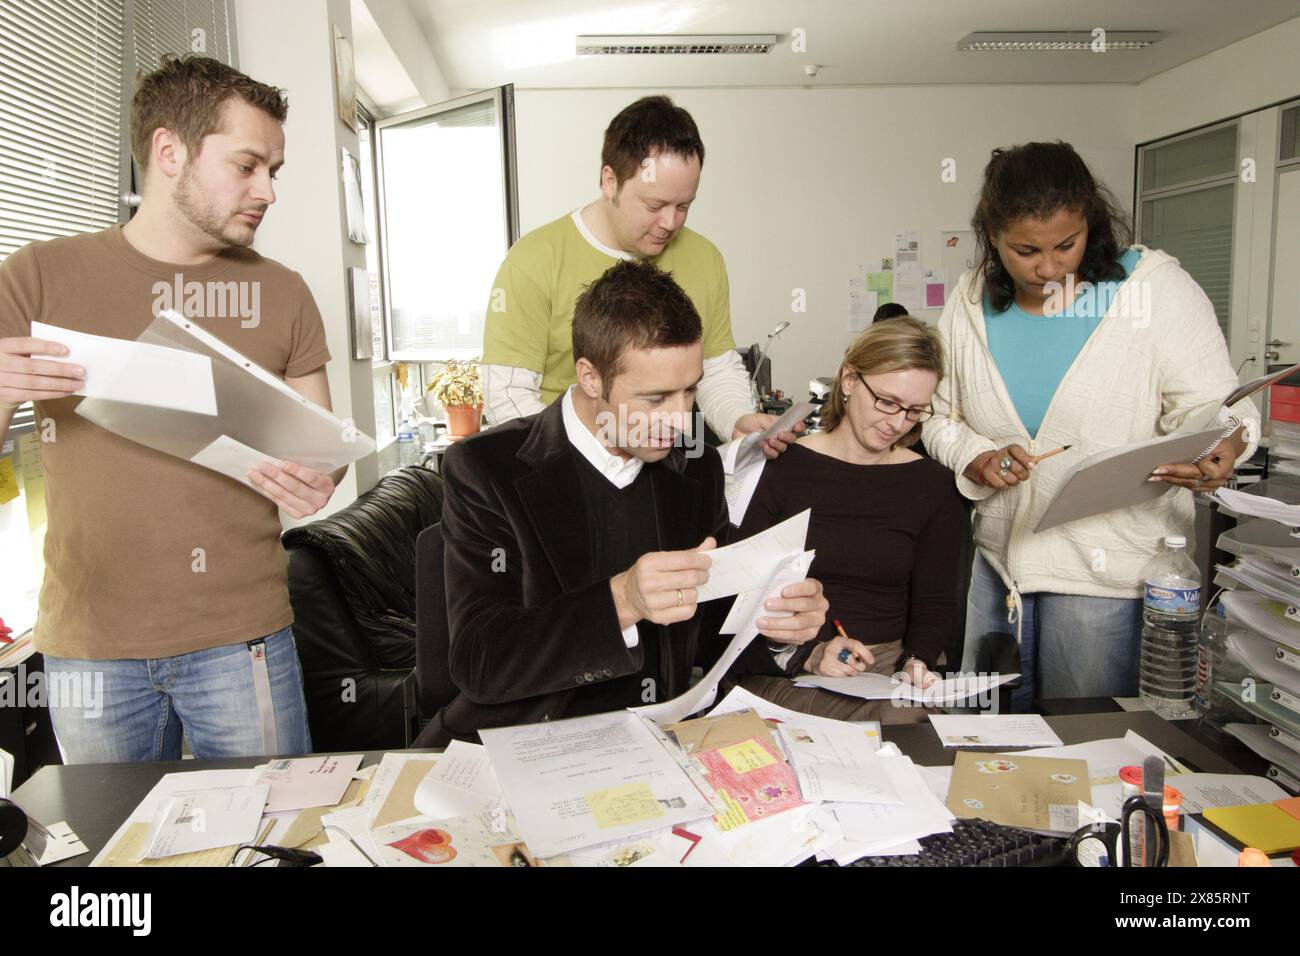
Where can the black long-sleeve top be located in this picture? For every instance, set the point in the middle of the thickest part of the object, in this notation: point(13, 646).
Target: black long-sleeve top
point(887, 537)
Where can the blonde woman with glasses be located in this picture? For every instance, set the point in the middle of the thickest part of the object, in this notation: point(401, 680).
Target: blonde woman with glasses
point(887, 525)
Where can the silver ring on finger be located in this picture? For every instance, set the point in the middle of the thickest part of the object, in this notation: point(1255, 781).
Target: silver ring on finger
point(1004, 465)
point(679, 597)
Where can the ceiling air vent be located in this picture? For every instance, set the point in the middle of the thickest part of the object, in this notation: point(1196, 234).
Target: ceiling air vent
point(673, 43)
point(1060, 41)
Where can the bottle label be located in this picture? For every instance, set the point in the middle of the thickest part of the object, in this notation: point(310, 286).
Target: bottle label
point(1204, 679)
point(1172, 600)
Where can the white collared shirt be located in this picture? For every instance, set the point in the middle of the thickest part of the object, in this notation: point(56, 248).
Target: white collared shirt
point(618, 471)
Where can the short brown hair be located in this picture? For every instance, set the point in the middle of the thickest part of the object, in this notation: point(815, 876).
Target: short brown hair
point(634, 305)
point(651, 125)
point(900, 343)
point(185, 95)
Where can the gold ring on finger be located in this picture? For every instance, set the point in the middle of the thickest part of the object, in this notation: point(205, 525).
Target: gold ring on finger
point(679, 597)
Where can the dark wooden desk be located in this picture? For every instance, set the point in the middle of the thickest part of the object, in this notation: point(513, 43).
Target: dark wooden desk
point(96, 798)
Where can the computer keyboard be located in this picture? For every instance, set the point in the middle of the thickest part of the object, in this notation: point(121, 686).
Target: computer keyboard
point(979, 843)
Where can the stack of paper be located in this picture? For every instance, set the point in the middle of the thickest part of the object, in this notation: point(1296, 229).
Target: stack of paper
point(994, 730)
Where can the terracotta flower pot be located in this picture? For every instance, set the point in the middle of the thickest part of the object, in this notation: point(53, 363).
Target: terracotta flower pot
point(463, 420)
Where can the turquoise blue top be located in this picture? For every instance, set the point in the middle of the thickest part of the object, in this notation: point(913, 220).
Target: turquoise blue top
point(1033, 352)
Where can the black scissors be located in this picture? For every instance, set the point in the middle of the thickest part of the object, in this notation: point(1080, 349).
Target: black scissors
point(1083, 844)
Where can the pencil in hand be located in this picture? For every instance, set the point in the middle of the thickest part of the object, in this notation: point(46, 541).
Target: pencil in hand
point(1037, 458)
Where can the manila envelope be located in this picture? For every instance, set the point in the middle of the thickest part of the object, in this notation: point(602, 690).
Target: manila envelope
point(711, 733)
point(1036, 793)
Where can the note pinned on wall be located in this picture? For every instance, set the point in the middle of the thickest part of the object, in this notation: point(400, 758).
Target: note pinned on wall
point(881, 283)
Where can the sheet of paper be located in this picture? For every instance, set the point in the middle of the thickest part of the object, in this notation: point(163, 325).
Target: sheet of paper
point(837, 764)
point(661, 848)
point(936, 288)
point(574, 783)
point(869, 827)
point(207, 819)
point(704, 692)
point(62, 844)
point(1259, 613)
point(994, 730)
point(749, 606)
point(737, 567)
point(881, 687)
point(123, 370)
point(300, 782)
point(461, 784)
point(881, 283)
point(1261, 658)
point(1259, 506)
point(740, 699)
point(779, 840)
point(232, 458)
point(908, 287)
point(1105, 758)
point(6, 773)
point(475, 840)
point(862, 308)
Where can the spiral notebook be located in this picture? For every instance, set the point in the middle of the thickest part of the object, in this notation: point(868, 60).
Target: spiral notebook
point(1117, 478)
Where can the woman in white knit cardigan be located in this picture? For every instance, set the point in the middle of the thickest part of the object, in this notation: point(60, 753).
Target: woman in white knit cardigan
point(1064, 335)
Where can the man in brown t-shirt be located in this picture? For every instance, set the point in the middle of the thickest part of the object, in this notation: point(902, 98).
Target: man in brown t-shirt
point(164, 608)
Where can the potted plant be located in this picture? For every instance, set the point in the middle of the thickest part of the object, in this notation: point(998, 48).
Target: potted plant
point(458, 388)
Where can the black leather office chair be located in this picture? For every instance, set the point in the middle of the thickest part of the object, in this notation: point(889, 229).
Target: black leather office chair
point(352, 584)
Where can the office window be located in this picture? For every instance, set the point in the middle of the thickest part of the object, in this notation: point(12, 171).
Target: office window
point(447, 205)
point(1186, 207)
point(60, 175)
point(179, 26)
point(1289, 141)
point(60, 119)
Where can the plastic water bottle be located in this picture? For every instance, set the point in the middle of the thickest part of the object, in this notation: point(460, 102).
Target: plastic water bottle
point(408, 449)
point(1171, 607)
point(1220, 677)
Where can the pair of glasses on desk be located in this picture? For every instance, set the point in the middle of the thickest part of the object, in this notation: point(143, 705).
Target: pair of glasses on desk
point(1098, 844)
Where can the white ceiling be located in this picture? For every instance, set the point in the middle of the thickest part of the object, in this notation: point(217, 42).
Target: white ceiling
point(482, 43)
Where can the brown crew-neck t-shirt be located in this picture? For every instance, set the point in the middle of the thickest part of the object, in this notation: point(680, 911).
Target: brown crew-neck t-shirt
point(147, 555)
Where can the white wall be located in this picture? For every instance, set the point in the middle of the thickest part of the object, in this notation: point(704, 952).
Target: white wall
point(306, 229)
point(1239, 78)
point(801, 186)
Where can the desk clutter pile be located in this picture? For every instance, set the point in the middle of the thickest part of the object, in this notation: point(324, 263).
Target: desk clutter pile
point(751, 784)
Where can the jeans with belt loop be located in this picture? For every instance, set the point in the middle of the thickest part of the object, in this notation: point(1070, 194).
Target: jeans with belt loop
point(127, 710)
point(1071, 645)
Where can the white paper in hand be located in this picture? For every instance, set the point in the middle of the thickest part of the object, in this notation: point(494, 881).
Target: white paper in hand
point(135, 372)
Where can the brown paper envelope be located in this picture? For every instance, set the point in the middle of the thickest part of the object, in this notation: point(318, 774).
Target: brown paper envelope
point(1019, 791)
point(1182, 849)
point(710, 733)
point(400, 804)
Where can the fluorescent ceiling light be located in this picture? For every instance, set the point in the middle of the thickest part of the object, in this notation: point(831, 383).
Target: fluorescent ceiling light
point(593, 45)
point(1060, 41)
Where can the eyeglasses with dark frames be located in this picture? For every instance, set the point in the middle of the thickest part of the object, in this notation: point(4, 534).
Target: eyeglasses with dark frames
point(893, 408)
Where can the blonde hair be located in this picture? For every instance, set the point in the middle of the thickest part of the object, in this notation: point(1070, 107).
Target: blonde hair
point(893, 345)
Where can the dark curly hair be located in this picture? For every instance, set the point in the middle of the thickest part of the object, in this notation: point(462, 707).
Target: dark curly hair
point(1038, 180)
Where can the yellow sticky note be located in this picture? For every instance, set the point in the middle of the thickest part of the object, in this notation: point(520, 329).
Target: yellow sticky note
point(746, 756)
point(735, 815)
point(620, 806)
point(8, 481)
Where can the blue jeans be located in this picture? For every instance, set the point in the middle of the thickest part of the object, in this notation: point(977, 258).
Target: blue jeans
point(222, 699)
point(1070, 645)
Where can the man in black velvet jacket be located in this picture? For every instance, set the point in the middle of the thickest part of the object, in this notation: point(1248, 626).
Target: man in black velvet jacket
point(575, 539)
